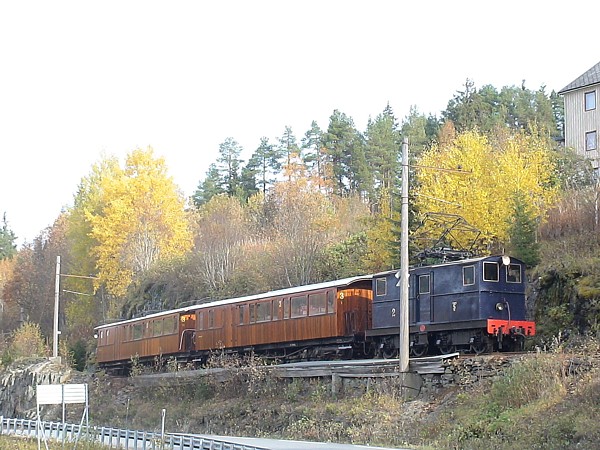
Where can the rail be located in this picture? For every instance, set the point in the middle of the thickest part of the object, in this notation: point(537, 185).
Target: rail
point(116, 438)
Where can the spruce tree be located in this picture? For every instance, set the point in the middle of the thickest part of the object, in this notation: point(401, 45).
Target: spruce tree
point(522, 232)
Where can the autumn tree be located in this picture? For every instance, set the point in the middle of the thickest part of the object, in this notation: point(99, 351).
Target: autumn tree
point(303, 226)
point(31, 286)
point(137, 219)
point(221, 231)
point(498, 169)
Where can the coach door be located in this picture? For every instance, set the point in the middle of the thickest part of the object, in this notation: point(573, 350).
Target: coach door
point(187, 328)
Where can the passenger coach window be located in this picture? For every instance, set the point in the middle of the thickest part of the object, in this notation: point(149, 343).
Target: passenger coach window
point(299, 308)
point(380, 286)
point(241, 314)
point(513, 273)
point(490, 271)
point(468, 275)
point(330, 302)
point(169, 325)
point(317, 304)
point(424, 284)
point(157, 327)
point(263, 311)
point(137, 331)
point(286, 308)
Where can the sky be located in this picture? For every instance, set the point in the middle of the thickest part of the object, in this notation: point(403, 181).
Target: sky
point(82, 80)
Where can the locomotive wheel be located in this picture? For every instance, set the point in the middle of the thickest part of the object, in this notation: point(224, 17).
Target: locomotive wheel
point(389, 351)
point(479, 347)
point(418, 350)
point(446, 349)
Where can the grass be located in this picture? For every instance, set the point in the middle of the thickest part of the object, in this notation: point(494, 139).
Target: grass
point(546, 401)
point(19, 443)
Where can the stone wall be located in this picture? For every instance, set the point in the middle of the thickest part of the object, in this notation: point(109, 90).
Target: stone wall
point(468, 370)
point(19, 381)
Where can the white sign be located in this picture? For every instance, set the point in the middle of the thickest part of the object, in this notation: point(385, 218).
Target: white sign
point(56, 394)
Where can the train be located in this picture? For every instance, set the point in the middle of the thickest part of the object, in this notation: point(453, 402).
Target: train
point(471, 305)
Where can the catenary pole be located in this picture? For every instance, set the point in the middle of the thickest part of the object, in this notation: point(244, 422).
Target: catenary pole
point(404, 343)
point(56, 293)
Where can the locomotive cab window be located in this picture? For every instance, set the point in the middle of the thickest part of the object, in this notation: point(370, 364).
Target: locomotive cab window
point(423, 284)
point(513, 273)
point(468, 275)
point(380, 286)
point(490, 271)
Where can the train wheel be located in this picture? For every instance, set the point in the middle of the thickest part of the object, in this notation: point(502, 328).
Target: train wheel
point(446, 349)
point(418, 350)
point(479, 347)
point(389, 350)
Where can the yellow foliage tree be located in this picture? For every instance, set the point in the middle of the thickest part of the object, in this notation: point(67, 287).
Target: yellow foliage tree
point(499, 168)
point(136, 218)
point(381, 235)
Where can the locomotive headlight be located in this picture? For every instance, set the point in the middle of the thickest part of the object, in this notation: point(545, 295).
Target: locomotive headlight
point(499, 306)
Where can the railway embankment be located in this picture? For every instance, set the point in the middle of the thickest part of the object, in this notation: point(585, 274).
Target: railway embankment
point(464, 402)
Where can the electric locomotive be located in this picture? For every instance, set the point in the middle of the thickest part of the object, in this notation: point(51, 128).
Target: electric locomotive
point(475, 305)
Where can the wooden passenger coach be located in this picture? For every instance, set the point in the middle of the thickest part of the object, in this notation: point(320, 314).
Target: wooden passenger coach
point(304, 321)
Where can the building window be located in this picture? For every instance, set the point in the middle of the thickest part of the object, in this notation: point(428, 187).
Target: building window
point(590, 140)
point(590, 100)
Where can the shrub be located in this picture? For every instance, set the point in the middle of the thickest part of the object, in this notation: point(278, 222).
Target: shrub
point(28, 341)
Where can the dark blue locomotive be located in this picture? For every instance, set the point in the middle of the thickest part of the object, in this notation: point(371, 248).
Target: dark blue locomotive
point(475, 305)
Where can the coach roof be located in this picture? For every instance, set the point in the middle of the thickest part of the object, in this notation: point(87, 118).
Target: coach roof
point(277, 293)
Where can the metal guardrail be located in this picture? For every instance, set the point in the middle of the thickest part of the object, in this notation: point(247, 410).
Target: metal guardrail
point(116, 438)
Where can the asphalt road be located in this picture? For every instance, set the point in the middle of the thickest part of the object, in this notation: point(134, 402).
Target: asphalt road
point(273, 444)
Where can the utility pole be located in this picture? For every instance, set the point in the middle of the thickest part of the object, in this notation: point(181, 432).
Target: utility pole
point(403, 344)
point(56, 294)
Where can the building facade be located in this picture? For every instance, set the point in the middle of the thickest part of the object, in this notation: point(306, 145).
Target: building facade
point(582, 116)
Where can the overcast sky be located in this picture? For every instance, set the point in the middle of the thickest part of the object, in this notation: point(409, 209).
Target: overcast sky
point(83, 79)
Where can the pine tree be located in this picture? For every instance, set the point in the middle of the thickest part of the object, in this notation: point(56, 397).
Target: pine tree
point(228, 166)
point(262, 168)
point(522, 232)
point(208, 188)
point(289, 150)
point(7, 240)
point(346, 148)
